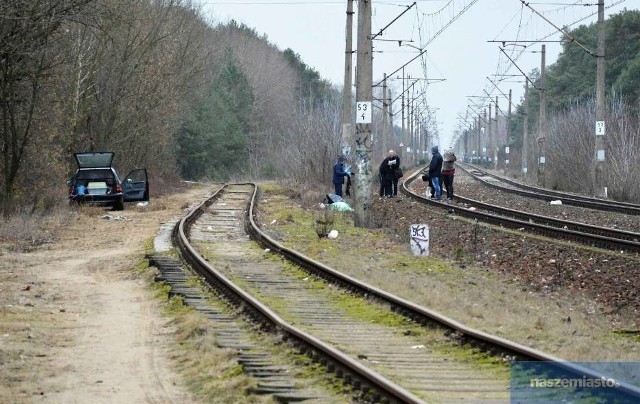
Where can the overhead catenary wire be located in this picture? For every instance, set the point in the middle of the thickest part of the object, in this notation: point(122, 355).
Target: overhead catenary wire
point(566, 34)
point(429, 40)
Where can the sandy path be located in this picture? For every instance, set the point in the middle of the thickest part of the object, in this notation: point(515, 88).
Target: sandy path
point(86, 329)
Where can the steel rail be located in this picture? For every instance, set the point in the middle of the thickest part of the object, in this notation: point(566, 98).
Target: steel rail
point(489, 343)
point(549, 195)
point(265, 315)
point(589, 235)
point(559, 223)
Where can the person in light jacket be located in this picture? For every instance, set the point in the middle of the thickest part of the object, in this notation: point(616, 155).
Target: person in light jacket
point(435, 172)
point(448, 171)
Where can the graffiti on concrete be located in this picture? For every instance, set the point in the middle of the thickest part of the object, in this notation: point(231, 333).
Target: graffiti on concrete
point(419, 236)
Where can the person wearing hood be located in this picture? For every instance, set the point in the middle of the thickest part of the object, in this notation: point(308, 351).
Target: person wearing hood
point(340, 170)
point(435, 172)
point(448, 170)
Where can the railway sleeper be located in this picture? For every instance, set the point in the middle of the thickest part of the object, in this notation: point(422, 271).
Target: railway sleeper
point(272, 379)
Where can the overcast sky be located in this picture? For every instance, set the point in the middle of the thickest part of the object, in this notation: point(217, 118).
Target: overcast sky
point(460, 58)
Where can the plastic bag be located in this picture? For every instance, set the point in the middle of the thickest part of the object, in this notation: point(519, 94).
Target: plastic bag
point(341, 207)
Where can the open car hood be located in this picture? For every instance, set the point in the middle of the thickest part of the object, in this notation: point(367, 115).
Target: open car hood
point(94, 159)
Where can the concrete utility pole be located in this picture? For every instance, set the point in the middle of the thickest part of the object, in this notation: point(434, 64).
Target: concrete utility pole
point(599, 189)
point(385, 131)
point(525, 132)
point(508, 134)
point(364, 98)
point(402, 136)
point(494, 139)
point(484, 120)
point(347, 115)
point(489, 137)
point(479, 138)
point(412, 133)
point(392, 133)
point(466, 142)
point(542, 122)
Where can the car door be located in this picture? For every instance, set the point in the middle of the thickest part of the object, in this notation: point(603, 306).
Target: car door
point(135, 186)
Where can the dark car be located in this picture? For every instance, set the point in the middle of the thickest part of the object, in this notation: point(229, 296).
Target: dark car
point(97, 182)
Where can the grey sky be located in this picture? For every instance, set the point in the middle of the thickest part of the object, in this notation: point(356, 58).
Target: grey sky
point(458, 49)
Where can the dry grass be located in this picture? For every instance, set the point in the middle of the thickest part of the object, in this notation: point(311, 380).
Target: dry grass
point(211, 373)
point(27, 231)
point(562, 325)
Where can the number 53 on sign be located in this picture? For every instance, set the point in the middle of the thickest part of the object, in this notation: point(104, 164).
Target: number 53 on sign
point(363, 112)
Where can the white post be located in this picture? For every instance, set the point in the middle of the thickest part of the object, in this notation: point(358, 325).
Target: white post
point(419, 236)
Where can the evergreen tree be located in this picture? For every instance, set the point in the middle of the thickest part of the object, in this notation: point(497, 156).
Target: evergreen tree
point(213, 142)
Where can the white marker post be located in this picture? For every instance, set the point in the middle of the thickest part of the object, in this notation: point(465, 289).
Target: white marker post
point(419, 236)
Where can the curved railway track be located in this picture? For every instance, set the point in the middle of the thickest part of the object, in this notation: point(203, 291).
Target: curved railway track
point(388, 363)
point(548, 194)
point(596, 236)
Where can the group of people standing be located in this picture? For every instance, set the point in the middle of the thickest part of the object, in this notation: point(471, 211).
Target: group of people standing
point(441, 172)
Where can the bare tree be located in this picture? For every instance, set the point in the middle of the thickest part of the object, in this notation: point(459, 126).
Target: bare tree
point(623, 161)
point(569, 148)
point(27, 28)
point(571, 145)
point(135, 67)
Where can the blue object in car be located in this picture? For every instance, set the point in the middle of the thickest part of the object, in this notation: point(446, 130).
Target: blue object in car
point(81, 190)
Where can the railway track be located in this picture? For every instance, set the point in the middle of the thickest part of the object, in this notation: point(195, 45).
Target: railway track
point(595, 236)
point(405, 359)
point(548, 194)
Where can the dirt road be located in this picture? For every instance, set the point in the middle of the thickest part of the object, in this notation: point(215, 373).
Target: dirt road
point(77, 322)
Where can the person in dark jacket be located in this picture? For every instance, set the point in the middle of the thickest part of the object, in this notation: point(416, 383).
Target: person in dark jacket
point(394, 162)
point(435, 172)
point(388, 169)
point(340, 170)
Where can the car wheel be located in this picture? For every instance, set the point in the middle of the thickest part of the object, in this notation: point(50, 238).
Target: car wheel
point(119, 205)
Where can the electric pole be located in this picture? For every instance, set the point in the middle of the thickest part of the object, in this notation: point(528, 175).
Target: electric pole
point(479, 138)
point(392, 133)
point(489, 139)
point(542, 121)
point(508, 148)
point(363, 138)
point(411, 118)
point(494, 140)
point(483, 130)
point(402, 137)
point(525, 132)
point(385, 131)
point(598, 188)
point(347, 137)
